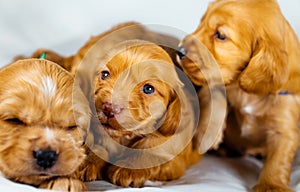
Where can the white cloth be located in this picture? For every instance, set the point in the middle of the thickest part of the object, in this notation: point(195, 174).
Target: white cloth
point(212, 174)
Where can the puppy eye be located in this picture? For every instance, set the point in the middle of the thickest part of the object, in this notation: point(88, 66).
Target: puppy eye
point(72, 127)
point(104, 75)
point(148, 89)
point(15, 121)
point(220, 36)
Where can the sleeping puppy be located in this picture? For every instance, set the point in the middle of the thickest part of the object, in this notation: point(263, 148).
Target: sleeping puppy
point(44, 119)
point(144, 110)
point(258, 54)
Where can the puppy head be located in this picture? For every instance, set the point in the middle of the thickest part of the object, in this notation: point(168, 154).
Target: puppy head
point(43, 121)
point(247, 40)
point(135, 90)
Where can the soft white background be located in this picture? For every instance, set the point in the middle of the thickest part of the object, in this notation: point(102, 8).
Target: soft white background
point(64, 25)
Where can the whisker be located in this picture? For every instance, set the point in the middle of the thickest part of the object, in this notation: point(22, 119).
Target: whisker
point(94, 115)
point(131, 107)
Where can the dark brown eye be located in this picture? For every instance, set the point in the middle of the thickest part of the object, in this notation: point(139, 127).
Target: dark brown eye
point(15, 121)
point(72, 127)
point(104, 75)
point(220, 36)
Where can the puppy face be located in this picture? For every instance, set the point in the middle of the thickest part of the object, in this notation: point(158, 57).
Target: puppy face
point(246, 39)
point(221, 32)
point(133, 91)
point(43, 121)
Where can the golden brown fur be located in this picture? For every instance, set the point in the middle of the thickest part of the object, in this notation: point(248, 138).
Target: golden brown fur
point(85, 66)
point(258, 55)
point(93, 54)
point(105, 41)
point(84, 62)
point(144, 121)
point(38, 114)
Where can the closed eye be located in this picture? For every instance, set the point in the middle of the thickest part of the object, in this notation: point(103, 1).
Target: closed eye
point(72, 127)
point(15, 121)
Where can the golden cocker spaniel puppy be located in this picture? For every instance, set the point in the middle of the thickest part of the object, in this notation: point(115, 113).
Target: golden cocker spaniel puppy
point(142, 106)
point(44, 119)
point(258, 54)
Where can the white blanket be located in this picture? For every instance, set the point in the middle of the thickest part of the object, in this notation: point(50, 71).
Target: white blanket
point(212, 174)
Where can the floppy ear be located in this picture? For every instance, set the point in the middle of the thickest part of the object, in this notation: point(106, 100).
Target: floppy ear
point(171, 120)
point(267, 70)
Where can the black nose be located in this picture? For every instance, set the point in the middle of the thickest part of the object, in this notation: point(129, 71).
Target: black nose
point(45, 158)
point(181, 52)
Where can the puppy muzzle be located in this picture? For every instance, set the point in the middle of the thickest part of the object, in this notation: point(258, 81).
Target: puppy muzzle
point(45, 158)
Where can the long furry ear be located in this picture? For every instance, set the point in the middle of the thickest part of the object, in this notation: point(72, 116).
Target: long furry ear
point(172, 117)
point(268, 68)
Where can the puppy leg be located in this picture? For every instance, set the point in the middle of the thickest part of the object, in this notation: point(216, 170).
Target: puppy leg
point(177, 166)
point(173, 169)
point(234, 145)
point(64, 184)
point(282, 144)
point(127, 177)
point(93, 166)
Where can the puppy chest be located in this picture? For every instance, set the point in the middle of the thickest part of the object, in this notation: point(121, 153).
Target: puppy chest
point(252, 128)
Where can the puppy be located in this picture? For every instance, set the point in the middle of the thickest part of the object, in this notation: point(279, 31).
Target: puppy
point(146, 113)
point(258, 54)
point(44, 119)
point(85, 67)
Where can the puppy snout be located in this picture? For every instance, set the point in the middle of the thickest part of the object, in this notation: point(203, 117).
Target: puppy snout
point(45, 158)
point(181, 52)
point(110, 110)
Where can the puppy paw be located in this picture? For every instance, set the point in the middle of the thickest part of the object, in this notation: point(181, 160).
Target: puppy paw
point(91, 169)
point(90, 172)
point(64, 184)
point(128, 177)
point(271, 188)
